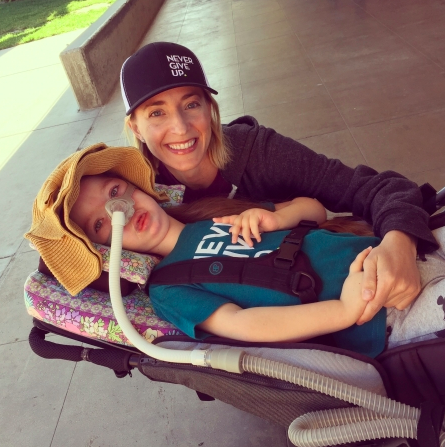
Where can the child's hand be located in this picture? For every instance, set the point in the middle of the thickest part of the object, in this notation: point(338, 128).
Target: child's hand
point(357, 264)
point(351, 295)
point(250, 223)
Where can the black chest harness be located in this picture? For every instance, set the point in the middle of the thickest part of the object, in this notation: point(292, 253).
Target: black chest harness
point(286, 270)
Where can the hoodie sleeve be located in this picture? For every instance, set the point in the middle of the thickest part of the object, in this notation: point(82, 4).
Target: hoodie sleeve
point(269, 166)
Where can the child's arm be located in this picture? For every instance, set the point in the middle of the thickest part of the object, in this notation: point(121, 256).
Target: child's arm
point(292, 323)
point(286, 216)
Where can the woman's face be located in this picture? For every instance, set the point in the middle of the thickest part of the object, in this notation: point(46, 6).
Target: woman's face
point(176, 126)
point(144, 232)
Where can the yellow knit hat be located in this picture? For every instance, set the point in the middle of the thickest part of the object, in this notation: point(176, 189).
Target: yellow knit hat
point(64, 247)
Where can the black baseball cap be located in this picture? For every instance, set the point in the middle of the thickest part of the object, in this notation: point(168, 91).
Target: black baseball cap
point(157, 67)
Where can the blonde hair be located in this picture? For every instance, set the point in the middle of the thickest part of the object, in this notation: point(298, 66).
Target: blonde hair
point(219, 151)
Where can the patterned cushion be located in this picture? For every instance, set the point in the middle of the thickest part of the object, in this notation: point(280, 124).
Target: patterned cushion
point(175, 193)
point(135, 267)
point(90, 313)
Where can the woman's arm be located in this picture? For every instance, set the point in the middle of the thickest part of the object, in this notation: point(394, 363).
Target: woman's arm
point(287, 215)
point(278, 167)
point(292, 323)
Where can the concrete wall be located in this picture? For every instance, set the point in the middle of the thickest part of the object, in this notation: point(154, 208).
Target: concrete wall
point(93, 61)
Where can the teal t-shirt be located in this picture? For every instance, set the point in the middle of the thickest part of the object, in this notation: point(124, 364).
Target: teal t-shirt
point(188, 305)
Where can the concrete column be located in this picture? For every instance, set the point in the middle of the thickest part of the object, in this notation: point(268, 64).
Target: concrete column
point(93, 61)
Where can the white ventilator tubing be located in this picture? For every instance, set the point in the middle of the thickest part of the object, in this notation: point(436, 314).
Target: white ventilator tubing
point(375, 417)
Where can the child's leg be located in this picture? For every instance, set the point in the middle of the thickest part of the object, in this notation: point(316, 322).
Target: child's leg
point(426, 315)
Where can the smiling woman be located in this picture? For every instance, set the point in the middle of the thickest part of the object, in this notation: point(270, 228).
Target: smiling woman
point(24, 21)
point(175, 123)
point(173, 117)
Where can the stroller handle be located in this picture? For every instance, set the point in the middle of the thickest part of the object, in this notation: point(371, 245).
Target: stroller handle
point(115, 359)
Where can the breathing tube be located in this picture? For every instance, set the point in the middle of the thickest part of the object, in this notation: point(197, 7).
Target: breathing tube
point(375, 417)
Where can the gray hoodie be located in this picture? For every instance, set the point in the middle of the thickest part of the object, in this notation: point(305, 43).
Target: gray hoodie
point(267, 166)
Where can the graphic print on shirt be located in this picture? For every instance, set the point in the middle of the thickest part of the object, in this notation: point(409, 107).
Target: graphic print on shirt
point(218, 242)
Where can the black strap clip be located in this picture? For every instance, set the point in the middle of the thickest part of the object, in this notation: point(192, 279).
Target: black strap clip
point(291, 244)
point(286, 256)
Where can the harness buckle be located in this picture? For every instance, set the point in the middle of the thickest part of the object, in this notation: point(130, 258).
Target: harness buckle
point(285, 258)
point(291, 244)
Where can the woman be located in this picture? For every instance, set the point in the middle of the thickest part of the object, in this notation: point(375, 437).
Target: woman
point(70, 212)
point(175, 122)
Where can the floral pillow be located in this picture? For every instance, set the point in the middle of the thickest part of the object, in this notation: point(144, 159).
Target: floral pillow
point(136, 267)
point(174, 192)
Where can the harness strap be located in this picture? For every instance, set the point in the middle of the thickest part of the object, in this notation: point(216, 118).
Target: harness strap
point(291, 244)
point(286, 270)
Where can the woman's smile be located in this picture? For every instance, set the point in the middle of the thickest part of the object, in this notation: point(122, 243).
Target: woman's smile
point(183, 148)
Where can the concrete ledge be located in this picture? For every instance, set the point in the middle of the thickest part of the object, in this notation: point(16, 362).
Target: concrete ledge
point(93, 61)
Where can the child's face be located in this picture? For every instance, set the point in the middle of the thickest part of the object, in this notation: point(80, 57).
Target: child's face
point(145, 230)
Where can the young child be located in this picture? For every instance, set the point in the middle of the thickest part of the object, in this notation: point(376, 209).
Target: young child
point(245, 312)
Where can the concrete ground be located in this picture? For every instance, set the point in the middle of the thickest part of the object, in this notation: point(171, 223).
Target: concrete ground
point(360, 80)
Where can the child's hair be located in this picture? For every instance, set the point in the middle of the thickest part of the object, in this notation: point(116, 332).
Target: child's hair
point(207, 208)
point(348, 224)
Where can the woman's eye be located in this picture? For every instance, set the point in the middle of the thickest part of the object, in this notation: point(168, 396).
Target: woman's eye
point(98, 225)
point(193, 105)
point(113, 192)
point(155, 113)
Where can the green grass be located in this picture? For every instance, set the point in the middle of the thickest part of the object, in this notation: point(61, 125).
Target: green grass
point(23, 21)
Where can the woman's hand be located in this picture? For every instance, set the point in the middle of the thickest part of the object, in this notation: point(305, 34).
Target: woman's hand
point(250, 224)
point(351, 291)
point(391, 277)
